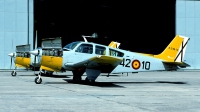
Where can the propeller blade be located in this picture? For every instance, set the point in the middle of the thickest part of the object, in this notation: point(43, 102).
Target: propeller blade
point(34, 63)
point(10, 62)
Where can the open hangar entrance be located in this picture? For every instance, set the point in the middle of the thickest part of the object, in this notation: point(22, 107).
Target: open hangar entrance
point(142, 26)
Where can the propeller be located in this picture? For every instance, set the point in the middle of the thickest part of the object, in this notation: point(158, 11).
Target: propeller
point(35, 52)
point(34, 63)
point(10, 62)
point(11, 56)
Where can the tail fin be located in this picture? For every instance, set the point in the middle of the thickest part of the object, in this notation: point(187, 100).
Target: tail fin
point(114, 44)
point(175, 51)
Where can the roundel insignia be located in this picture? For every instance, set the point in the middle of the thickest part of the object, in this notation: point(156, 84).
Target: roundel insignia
point(136, 64)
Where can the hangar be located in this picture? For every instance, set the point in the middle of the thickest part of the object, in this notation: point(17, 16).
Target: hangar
point(142, 27)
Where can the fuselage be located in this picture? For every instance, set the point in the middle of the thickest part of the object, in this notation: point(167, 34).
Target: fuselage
point(75, 53)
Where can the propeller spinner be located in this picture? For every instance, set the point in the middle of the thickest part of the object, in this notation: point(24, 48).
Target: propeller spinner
point(35, 52)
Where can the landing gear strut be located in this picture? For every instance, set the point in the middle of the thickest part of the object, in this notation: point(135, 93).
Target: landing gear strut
point(14, 73)
point(38, 79)
point(77, 79)
point(77, 75)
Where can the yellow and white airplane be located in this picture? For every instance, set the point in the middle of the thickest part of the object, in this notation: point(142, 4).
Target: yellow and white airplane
point(23, 59)
point(52, 47)
point(93, 58)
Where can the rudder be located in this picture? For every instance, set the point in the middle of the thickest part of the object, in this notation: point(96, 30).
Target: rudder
point(175, 51)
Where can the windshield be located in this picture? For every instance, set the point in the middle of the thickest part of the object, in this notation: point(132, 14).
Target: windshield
point(71, 46)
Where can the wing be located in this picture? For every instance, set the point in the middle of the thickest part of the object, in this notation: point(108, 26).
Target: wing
point(100, 62)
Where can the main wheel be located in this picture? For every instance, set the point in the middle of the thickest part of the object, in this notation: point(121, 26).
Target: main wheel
point(89, 81)
point(77, 79)
point(13, 73)
point(38, 80)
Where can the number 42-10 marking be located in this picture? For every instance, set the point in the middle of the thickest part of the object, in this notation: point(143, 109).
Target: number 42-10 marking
point(127, 62)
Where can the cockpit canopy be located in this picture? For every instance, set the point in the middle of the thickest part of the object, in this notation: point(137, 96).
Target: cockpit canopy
point(71, 46)
point(90, 48)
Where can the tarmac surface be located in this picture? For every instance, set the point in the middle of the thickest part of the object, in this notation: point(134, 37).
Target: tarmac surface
point(167, 91)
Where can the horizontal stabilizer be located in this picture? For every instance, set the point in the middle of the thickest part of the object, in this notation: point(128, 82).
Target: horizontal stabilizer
point(180, 64)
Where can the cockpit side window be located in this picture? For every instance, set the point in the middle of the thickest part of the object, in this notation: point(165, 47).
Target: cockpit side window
point(115, 53)
point(100, 50)
point(85, 48)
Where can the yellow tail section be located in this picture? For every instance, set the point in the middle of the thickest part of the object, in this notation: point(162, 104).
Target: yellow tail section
point(175, 51)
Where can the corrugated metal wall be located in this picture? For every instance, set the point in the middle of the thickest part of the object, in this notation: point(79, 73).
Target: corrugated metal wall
point(16, 27)
point(188, 24)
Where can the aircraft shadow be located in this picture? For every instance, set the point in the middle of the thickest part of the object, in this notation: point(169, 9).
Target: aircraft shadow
point(112, 75)
point(157, 82)
point(115, 84)
point(112, 84)
point(55, 76)
point(26, 75)
point(171, 82)
point(98, 84)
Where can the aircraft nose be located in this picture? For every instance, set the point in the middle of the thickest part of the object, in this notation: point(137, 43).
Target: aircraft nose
point(34, 52)
point(11, 54)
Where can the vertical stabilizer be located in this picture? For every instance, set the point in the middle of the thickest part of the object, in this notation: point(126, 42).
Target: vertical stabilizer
point(175, 51)
point(114, 44)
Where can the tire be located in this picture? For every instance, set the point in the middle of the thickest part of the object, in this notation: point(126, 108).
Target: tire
point(38, 81)
point(13, 73)
point(77, 79)
point(87, 81)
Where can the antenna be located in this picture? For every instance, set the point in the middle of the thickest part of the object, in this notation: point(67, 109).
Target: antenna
point(94, 35)
point(84, 38)
point(36, 40)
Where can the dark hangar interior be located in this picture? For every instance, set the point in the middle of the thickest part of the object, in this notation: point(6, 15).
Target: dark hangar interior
point(139, 26)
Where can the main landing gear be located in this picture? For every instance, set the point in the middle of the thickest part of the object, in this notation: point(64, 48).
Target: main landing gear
point(77, 75)
point(87, 81)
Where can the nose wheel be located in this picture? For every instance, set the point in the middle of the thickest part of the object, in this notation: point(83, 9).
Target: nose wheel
point(13, 73)
point(38, 80)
